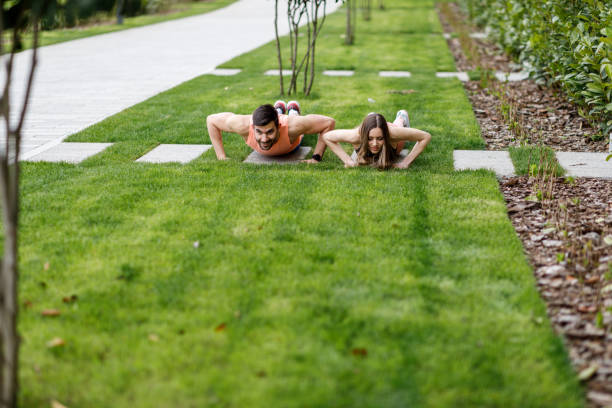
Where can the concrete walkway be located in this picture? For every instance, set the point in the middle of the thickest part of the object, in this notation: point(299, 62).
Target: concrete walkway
point(81, 82)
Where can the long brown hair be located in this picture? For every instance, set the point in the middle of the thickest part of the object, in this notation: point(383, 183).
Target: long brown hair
point(387, 155)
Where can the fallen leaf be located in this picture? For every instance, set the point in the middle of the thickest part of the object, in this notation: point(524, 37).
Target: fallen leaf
point(153, 337)
point(56, 342)
point(261, 374)
point(361, 352)
point(592, 279)
point(70, 299)
point(27, 304)
point(588, 372)
point(51, 312)
point(371, 100)
point(46, 266)
point(587, 308)
point(220, 327)
point(55, 404)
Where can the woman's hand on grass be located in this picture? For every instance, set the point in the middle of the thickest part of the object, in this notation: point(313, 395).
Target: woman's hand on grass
point(351, 163)
point(401, 165)
point(310, 161)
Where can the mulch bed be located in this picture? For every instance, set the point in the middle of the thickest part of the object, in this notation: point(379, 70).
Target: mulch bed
point(563, 234)
point(547, 115)
point(579, 286)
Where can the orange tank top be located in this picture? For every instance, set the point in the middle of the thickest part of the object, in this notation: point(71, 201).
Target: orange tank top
point(282, 146)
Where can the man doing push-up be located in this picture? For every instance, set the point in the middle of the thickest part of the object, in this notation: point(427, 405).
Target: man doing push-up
point(270, 130)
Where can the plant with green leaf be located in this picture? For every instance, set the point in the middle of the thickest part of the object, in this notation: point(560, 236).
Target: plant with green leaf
point(564, 43)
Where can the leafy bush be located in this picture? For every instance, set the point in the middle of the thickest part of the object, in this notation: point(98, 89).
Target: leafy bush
point(68, 13)
point(567, 43)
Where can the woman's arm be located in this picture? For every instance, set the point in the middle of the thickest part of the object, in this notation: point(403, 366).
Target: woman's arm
point(421, 138)
point(333, 139)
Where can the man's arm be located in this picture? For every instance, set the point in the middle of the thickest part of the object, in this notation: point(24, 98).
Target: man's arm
point(421, 138)
point(312, 124)
point(225, 122)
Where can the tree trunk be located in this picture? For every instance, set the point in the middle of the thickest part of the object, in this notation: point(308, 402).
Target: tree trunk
point(365, 10)
point(349, 37)
point(8, 317)
point(9, 197)
point(278, 48)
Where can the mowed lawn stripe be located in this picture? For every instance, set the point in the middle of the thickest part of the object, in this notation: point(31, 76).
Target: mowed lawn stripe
point(309, 286)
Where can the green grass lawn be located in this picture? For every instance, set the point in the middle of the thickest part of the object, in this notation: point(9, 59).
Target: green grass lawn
point(312, 286)
point(179, 10)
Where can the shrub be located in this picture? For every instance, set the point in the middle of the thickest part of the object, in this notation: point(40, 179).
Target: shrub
point(565, 43)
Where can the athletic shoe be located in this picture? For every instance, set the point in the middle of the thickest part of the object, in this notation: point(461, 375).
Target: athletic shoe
point(281, 107)
point(293, 106)
point(404, 115)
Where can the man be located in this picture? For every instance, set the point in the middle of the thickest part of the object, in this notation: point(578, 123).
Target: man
point(270, 131)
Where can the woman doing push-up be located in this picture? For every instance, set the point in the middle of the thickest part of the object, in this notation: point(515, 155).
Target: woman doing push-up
point(378, 143)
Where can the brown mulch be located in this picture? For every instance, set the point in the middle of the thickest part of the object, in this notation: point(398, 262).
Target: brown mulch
point(576, 287)
point(547, 116)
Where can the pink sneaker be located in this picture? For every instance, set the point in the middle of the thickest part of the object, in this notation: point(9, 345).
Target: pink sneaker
point(293, 106)
point(280, 107)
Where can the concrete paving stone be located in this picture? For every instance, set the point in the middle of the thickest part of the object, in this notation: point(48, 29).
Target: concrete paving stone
point(511, 76)
point(169, 153)
point(498, 161)
point(225, 72)
point(462, 76)
point(395, 74)
point(585, 164)
point(338, 72)
point(479, 36)
point(291, 158)
point(70, 152)
point(273, 72)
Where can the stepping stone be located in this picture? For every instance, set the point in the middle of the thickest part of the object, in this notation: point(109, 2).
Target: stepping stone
point(479, 36)
point(338, 73)
point(511, 77)
point(274, 72)
point(498, 161)
point(172, 153)
point(291, 158)
point(395, 74)
point(585, 164)
point(401, 157)
point(69, 152)
point(462, 76)
point(224, 72)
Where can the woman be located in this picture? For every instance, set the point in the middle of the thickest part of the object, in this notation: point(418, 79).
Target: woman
point(378, 143)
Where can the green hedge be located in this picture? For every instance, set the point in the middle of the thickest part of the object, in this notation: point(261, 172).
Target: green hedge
point(562, 42)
